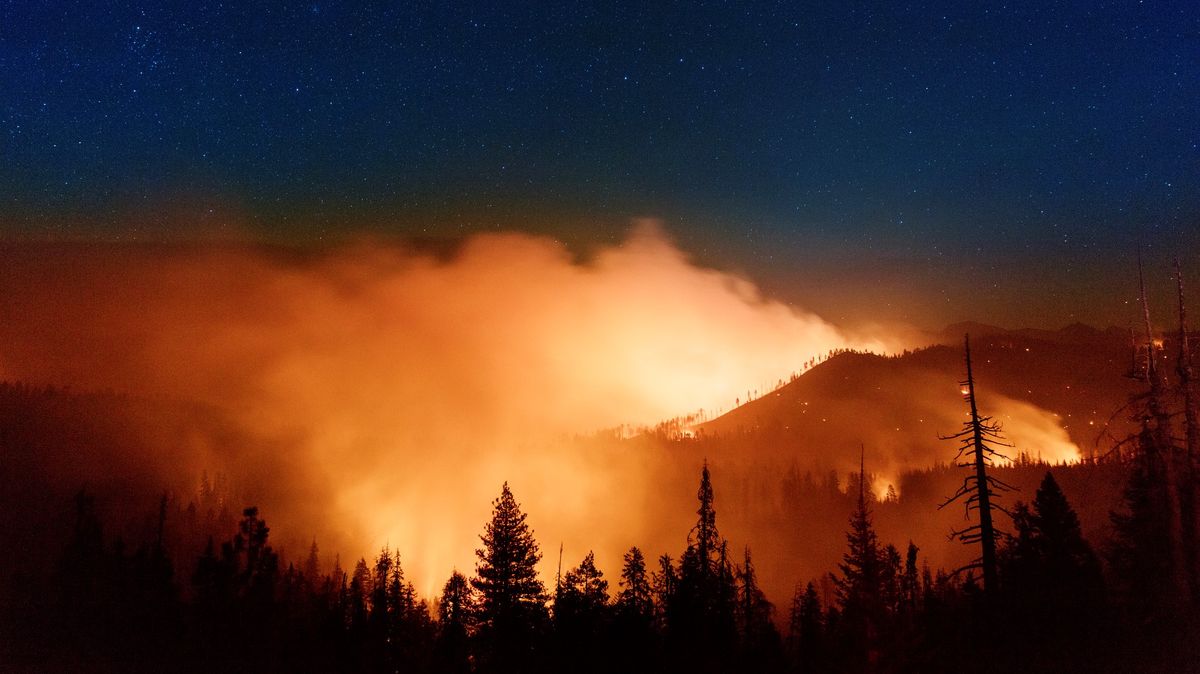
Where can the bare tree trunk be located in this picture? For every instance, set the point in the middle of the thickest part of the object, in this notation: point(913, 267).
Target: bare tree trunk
point(1191, 438)
point(987, 533)
point(1167, 462)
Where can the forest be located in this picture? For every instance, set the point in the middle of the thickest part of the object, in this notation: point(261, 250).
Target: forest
point(204, 589)
point(235, 604)
point(197, 583)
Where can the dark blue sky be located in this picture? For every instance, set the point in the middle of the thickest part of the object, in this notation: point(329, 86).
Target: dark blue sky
point(1024, 145)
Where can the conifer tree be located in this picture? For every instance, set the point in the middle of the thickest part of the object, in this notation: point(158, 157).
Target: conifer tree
point(455, 624)
point(635, 600)
point(359, 603)
point(584, 593)
point(700, 611)
point(1052, 577)
point(580, 615)
point(665, 583)
point(759, 639)
point(806, 629)
point(634, 614)
point(705, 538)
point(910, 583)
point(312, 566)
point(512, 600)
point(860, 587)
point(381, 612)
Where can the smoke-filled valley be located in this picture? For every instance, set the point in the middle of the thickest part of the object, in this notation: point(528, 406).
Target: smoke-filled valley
point(376, 395)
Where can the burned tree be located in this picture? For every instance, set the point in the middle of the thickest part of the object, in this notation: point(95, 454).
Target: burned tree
point(1190, 469)
point(978, 440)
point(1150, 552)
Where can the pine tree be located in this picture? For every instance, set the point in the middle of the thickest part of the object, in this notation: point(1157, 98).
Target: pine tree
point(665, 584)
point(860, 587)
point(759, 639)
point(512, 606)
point(312, 566)
point(584, 594)
point(382, 611)
point(700, 612)
point(580, 614)
point(910, 583)
point(1052, 577)
point(634, 615)
point(704, 537)
point(792, 639)
point(359, 602)
point(806, 628)
point(1060, 544)
point(455, 625)
point(258, 562)
point(635, 600)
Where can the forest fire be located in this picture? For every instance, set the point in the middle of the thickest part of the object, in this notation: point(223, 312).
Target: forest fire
point(402, 383)
point(372, 398)
point(528, 338)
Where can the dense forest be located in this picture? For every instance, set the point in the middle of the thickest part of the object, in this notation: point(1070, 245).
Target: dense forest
point(231, 602)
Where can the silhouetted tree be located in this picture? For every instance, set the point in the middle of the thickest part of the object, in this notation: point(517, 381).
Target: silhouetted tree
point(235, 593)
point(860, 588)
point(665, 583)
point(512, 606)
point(977, 441)
point(456, 619)
point(634, 614)
point(83, 579)
point(701, 610)
point(806, 630)
point(1189, 473)
point(1155, 483)
point(1053, 572)
point(635, 600)
point(359, 600)
point(910, 585)
point(1148, 553)
point(580, 614)
point(312, 567)
point(760, 646)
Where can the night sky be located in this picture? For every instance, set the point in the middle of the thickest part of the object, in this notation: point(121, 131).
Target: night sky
point(918, 161)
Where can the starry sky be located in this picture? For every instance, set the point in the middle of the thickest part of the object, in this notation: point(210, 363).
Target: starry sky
point(914, 161)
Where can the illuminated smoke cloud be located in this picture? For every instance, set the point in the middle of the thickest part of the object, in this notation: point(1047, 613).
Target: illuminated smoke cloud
point(408, 386)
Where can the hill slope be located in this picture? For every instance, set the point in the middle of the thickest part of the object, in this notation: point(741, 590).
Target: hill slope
point(1054, 392)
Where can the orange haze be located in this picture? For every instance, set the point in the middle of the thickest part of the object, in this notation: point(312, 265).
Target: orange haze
point(406, 386)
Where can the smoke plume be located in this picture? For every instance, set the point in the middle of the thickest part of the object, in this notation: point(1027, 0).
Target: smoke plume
point(401, 387)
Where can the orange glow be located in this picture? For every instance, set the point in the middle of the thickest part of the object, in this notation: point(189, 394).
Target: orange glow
point(1032, 431)
point(403, 384)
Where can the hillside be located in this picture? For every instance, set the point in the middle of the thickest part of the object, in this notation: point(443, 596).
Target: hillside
point(1033, 382)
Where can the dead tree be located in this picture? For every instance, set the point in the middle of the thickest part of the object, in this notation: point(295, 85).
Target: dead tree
point(978, 439)
point(1158, 451)
point(1191, 454)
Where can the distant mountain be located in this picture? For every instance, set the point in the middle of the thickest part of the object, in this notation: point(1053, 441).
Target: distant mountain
point(1046, 387)
point(1075, 333)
